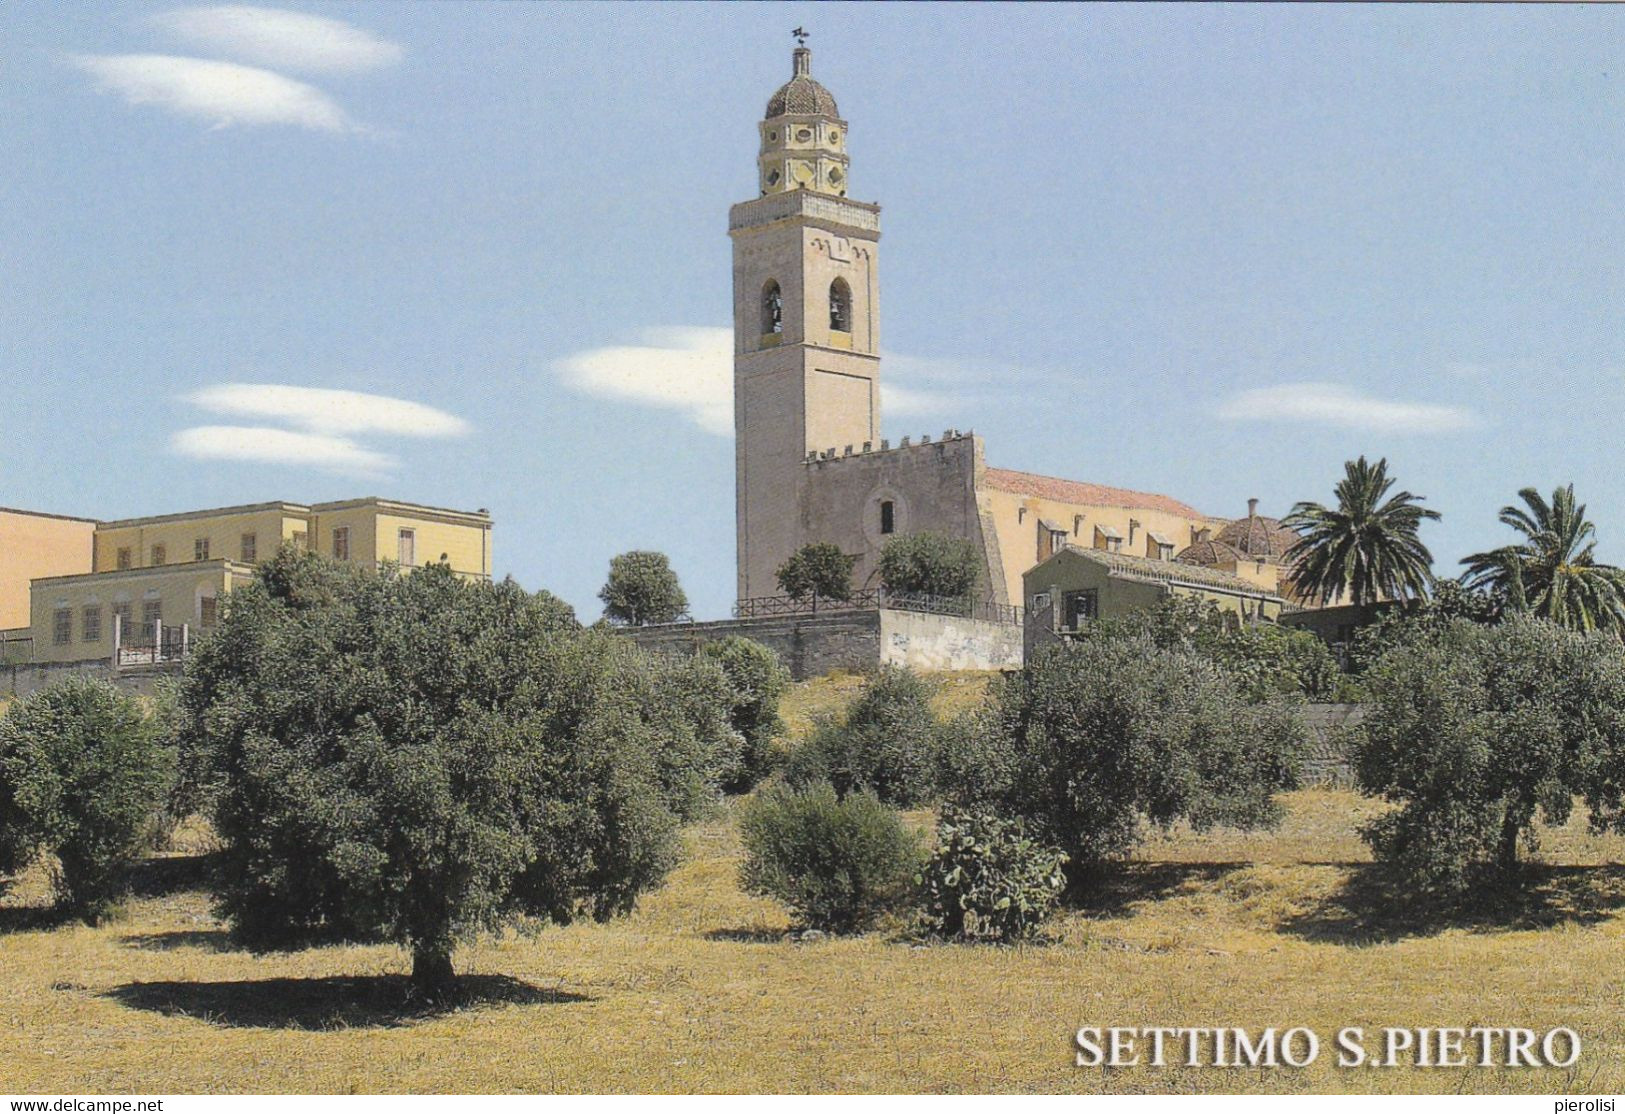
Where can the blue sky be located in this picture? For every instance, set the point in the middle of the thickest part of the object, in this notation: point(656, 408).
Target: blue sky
point(1212, 252)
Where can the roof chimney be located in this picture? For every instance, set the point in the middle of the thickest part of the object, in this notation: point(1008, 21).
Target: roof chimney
point(1252, 508)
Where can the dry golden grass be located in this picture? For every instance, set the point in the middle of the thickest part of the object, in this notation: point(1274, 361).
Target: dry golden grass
point(955, 692)
point(699, 990)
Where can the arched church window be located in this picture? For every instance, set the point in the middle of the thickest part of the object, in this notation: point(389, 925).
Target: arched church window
point(840, 306)
point(772, 309)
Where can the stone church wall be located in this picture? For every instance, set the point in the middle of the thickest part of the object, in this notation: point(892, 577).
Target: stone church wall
point(813, 645)
point(930, 484)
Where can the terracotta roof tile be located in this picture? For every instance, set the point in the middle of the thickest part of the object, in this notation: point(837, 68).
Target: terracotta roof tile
point(1072, 491)
point(1257, 536)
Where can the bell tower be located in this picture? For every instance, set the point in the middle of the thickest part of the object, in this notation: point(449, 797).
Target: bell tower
point(806, 321)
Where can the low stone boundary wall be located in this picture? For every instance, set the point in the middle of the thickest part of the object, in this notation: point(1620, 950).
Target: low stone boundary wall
point(1327, 760)
point(17, 681)
point(813, 645)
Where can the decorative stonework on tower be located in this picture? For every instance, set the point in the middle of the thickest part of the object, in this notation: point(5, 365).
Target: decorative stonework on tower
point(806, 321)
point(803, 136)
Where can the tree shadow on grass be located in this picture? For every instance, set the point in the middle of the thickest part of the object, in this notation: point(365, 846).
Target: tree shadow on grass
point(376, 1001)
point(755, 934)
point(32, 918)
point(1113, 889)
point(1369, 908)
point(204, 939)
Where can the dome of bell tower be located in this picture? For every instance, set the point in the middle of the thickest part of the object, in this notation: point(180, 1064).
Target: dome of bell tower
point(803, 137)
point(801, 95)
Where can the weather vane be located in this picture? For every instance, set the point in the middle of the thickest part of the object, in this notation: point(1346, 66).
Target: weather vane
point(800, 36)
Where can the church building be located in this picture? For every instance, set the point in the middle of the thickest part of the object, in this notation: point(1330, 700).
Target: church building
point(811, 462)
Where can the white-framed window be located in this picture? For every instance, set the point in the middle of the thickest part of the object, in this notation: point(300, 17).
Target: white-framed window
point(341, 543)
point(200, 549)
point(125, 614)
point(90, 623)
point(62, 626)
point(152, 616)
point(407, 545)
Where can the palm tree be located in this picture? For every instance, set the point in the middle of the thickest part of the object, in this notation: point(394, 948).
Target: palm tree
point(1367, 548)
point(1553, 572)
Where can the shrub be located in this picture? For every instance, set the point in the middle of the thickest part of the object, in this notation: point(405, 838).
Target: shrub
point(418, 758)
point(1264, 659)
point(84, 775)
point(757, 681)
point(988, 880)
point(1112, 731)
point(1475, 730)
point(642, 589)
point(975, 761)
point(930, 564)
point(837, 863)
point(817, 571)
point(887, 743)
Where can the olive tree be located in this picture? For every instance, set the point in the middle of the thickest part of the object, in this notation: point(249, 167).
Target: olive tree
point(757, 681)
point(85, 772)
point(930, 564)
point(1097, 740)
point(1474, 731)
point(418, 758)
point(642, 589)
point(887, 743)
point(817, 571)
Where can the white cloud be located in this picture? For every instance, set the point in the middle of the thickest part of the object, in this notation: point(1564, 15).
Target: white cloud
point(287, 40)
point(322, 410)
point(265, 445)
point(690, 370)
point(1337, 405)
point(221, 93)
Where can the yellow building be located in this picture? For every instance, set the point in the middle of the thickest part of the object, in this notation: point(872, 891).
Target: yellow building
point(170, 571)
point(33, 545)
point(1076, 586)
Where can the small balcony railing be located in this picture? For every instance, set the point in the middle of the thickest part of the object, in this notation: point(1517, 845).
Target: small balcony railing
point(150, 644)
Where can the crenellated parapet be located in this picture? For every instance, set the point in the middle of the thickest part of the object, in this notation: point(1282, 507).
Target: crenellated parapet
point(868, 448)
